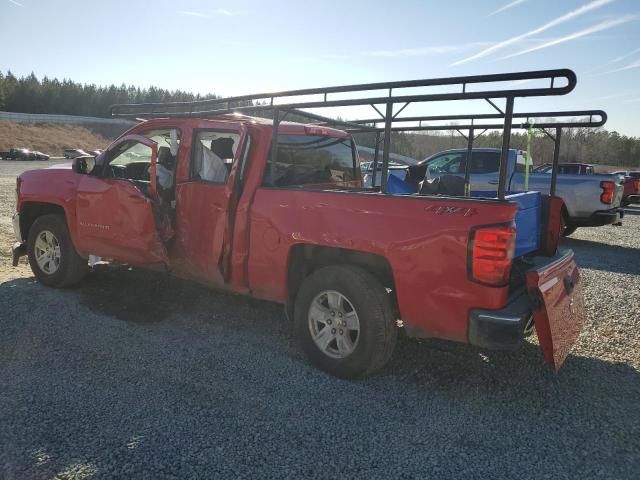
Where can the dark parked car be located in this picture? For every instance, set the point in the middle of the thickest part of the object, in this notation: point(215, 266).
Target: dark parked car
point(23, 154)
point(39, 155)
point(18, 154)
point(73, 153)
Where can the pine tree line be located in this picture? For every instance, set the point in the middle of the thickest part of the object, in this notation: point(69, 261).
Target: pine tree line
point(31, 95)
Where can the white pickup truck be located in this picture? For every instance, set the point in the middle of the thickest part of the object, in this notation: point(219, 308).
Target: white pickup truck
point(590, 200)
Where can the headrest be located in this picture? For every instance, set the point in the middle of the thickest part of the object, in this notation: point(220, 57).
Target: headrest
point(165, 158)
point(223, 147)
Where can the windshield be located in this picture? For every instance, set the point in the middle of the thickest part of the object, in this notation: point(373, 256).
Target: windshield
point(314, 160)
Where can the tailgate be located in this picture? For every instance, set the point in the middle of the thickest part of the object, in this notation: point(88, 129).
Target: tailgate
point(558, 306)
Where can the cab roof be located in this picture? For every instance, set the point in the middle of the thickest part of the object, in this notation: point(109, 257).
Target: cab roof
point(284, 127)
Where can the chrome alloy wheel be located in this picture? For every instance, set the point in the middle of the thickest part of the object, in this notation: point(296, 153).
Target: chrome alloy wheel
point(334, 324)
point(47, 252)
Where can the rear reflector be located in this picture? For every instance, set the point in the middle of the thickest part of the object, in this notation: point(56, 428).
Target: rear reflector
point(608, 189)
point(491, 254)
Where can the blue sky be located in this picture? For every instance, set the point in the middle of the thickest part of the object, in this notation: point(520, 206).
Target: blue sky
point(244, 46)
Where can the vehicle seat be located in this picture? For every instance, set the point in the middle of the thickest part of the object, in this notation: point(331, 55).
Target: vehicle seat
point(165, 158)
point(443, 185)
point(430, 187)
point(223, 148)
point(451, 185)
point(165, 171)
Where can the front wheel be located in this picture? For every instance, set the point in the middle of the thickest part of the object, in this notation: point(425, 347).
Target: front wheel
point(53, 259)
point(344, 321)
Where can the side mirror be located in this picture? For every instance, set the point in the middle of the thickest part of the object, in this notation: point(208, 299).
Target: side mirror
point(83, 164)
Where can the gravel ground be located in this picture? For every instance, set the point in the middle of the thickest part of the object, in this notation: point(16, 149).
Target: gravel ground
point(139, 375)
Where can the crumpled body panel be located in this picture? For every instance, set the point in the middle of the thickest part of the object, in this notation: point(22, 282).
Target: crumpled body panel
point(559, 307)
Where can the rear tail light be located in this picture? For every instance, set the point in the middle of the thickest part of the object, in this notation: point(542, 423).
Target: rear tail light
point(608, 189)
point(636, 185)
point(491, 253)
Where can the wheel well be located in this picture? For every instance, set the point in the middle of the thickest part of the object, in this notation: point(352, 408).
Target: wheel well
point(305, 259)
point(32, 210)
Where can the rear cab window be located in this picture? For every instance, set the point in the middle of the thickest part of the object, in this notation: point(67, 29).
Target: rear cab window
point(485, 162)
point(314, 161)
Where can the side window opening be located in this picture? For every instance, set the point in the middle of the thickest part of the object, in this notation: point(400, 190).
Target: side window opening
point(129, 160)
point(487, 162)
point(168, 141)
point(313, 160)
point(212, 155)
point(446, 164)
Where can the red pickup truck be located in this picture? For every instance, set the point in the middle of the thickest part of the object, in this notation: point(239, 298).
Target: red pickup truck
point(202, 199)
point(631, 193)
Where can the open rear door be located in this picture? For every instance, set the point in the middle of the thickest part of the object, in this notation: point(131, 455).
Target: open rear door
point(558, 306)
point(116, 216)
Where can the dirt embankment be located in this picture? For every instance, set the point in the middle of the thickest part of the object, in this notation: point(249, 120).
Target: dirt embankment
point(52, 139)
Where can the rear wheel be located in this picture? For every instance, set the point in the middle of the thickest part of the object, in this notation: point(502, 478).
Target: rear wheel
point(344, 321)
point(566, 227)
point(53, 259)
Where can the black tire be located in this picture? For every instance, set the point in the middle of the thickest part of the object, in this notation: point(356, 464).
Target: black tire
point(71, 267)
point(566, 227)
point(377, 333)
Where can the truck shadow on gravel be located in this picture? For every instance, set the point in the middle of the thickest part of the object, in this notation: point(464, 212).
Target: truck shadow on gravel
point(146, 297)
point(605, 257)
point(140, 296)
point(136, 295)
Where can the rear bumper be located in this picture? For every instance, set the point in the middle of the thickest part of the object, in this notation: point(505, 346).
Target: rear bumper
point(501, 329)
point(600, 218)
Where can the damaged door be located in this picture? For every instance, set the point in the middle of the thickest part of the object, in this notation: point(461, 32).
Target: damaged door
point(206, 202)
point(558, 306)
point(117, 205)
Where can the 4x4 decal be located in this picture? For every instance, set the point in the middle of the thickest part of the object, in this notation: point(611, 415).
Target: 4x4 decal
point(450, 210)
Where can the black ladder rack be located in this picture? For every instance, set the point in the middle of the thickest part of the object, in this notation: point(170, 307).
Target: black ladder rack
point(388, 94)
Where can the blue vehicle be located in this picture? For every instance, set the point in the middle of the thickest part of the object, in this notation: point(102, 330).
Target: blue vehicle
point(590, 200)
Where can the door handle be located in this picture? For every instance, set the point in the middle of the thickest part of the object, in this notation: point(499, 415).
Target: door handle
point(493, 182)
